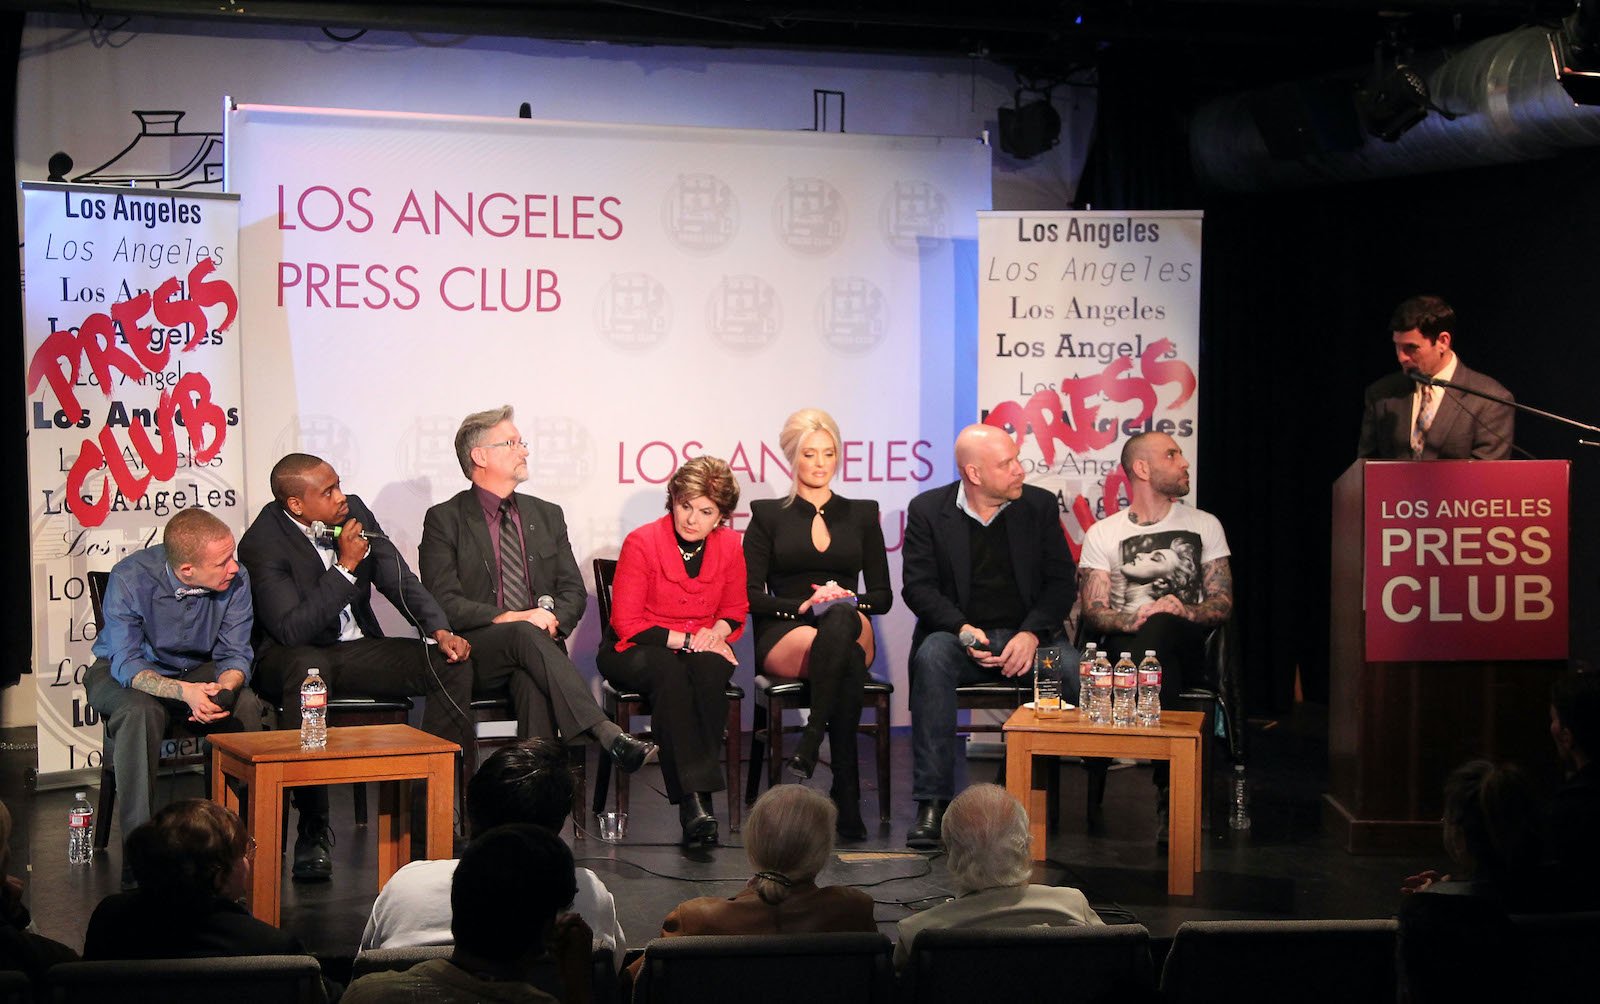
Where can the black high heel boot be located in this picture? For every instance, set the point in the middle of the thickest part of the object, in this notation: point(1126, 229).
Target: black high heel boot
point(837, 631)
point(843, 741)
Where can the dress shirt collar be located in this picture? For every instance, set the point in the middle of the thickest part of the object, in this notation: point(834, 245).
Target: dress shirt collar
point(491, 502)
point(179, 589)
point(961, 503)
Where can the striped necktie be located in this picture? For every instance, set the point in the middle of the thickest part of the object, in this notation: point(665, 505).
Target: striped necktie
point(513, 569)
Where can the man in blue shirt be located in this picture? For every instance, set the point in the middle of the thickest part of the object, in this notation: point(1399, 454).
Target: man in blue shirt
point(175, 641)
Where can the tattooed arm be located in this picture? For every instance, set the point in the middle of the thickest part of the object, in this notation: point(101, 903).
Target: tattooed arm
point(1094, 592)
point(1217, 584)
point(196, 695)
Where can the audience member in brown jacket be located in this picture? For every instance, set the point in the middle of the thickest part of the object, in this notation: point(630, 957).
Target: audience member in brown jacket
point(788, 838)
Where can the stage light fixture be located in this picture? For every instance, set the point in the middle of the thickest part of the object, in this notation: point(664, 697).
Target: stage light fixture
point(1575, 51)
point(1393, 101)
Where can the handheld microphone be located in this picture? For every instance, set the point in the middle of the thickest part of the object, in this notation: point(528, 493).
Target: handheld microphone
point(969, 639)
point(321, 529)
point(546, 602)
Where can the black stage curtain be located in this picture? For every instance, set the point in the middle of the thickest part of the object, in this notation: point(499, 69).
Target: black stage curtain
point(1297, 291)
point(16, 616)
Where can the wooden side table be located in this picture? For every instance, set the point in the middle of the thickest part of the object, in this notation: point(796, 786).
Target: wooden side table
point(269, 762)
point(1176, 739)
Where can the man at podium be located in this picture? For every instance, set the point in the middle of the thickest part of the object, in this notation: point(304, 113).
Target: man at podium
point(1408, 418)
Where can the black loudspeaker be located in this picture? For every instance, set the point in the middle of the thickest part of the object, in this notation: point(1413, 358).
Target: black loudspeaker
point(1029, 130)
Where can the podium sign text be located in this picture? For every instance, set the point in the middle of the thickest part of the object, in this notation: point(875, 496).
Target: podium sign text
point(1466, 560)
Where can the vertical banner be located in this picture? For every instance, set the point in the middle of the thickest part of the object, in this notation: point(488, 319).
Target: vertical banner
point(131, 346)
point(1088, 333)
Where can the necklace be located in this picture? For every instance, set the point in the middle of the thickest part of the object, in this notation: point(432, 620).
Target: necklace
point(688, 556)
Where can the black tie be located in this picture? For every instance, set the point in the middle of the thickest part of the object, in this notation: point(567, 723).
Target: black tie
point(513, 569)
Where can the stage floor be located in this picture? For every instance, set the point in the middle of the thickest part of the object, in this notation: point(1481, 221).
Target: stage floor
point(1286, 866)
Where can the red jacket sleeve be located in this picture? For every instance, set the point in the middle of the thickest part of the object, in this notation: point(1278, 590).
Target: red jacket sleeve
point(630, 589)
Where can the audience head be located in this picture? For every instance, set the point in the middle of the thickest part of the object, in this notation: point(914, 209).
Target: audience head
point(191, 850)
point(701, 495)
point(985, 832)
point(510, 885)
point(788, 838)
point(1491, 819)
point(1575, 716)
point(810, 441)
point(527, 782)
point(986, 459)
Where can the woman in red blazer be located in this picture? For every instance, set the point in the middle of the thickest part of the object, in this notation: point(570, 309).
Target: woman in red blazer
point(679, 599)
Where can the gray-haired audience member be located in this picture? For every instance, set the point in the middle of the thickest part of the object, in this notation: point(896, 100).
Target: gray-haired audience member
point(985, 833)
point(528, 782)
point(788, 839)
point(505, 898)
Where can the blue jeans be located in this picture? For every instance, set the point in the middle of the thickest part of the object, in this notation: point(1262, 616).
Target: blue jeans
point(939, 665)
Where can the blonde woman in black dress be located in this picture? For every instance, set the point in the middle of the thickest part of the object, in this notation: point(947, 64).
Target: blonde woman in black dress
point(806, 557)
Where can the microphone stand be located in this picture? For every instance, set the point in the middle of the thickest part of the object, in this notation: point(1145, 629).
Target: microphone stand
point(1497, 399)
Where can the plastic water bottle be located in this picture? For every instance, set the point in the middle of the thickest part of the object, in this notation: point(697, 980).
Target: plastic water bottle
point(1099, 700)
point(1085, 684)
point(1239, 811)
point(1123, 683)
point(314, 711)
point(1149, 705)
point(80, 830)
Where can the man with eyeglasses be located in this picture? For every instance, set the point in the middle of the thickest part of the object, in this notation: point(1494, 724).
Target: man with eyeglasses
point(500, 565)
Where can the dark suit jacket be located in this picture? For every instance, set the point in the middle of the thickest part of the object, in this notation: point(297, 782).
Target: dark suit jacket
point(1464, 427)
point(458, 562)
point(297, 601)
point(139, 925)
point(936, 562)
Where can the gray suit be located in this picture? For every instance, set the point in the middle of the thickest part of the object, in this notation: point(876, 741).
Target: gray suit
point(1464, 427)
point(460, 568)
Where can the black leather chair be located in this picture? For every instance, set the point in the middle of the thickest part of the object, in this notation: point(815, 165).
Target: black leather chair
point(775, 695)
point(1269, 961)
point(1020, 965)
point(736, 969)
point(15, 987)
point(248, 979)
point(621, 706)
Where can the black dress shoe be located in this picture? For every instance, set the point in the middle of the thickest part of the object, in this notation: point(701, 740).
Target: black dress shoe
point(799, 767)
point(924, 834)
point(313, 858)
point(630, 753)
point(694, 814)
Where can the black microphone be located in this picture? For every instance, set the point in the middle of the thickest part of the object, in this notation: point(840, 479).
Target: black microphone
point(1418, 376)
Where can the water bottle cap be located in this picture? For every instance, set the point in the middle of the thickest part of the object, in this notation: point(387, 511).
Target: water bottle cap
point(1150, 651)
point(313, 672)
point(1127, 655)
point(83, 795)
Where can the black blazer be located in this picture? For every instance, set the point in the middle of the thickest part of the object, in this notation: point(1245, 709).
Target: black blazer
point(1464, 427)
point(936, 562)
point(140, 925)
point(297, 601)
point(458, 562)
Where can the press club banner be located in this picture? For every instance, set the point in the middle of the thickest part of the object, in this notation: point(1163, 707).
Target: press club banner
point(1089, 333)
point(131, 345)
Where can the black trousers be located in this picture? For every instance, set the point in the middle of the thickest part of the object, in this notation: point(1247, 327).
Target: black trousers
point(1181, 647)
point(688, 709)
point(549, 694)
point(374, 667)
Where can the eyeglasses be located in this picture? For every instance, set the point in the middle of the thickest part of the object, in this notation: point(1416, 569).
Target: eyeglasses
point(250, 849)
point(507, 442)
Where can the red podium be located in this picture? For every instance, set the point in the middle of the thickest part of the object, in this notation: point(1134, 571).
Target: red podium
point(1448, 625)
